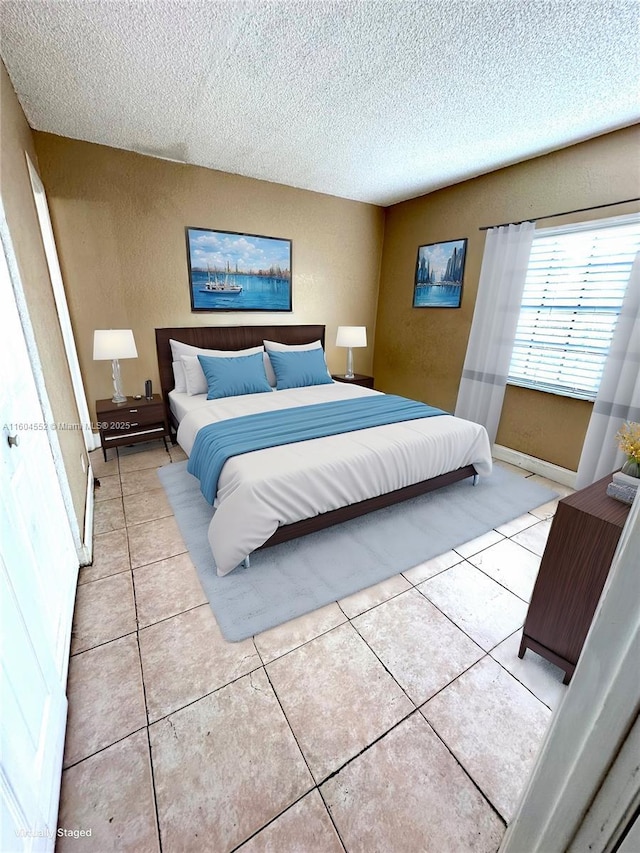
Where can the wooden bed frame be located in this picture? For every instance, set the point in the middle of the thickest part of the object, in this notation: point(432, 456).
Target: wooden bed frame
point(241, 337)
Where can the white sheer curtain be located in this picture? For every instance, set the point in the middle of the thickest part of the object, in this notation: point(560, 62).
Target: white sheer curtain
point(618, 398)
point(495, 318)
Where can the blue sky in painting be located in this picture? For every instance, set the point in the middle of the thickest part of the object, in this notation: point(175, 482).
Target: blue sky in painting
point(215, 248)
point(439, 254)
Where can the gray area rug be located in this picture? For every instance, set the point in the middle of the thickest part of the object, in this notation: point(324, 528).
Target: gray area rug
point(297, 577)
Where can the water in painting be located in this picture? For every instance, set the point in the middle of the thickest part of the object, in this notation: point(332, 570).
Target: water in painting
point(437, 296)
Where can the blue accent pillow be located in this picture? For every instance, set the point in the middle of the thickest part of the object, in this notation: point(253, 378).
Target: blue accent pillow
point(300, 368)
point(231, 377)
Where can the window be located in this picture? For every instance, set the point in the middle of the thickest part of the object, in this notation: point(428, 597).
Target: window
point(574, 288)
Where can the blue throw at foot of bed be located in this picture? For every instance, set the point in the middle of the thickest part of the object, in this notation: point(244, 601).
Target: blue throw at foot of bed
point(215, 443)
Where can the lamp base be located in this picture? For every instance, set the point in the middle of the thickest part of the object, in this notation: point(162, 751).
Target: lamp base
point(349, 374)
point(118, 396)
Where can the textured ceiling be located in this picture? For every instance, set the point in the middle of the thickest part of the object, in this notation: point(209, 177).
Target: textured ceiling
point(375, 100)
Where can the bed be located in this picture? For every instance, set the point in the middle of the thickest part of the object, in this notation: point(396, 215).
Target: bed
point(268, 496)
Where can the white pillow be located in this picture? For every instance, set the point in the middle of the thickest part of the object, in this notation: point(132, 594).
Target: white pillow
point(178, 349)
point(276, 347)
point(194, 376)
point(268, 369)
point(179, 379)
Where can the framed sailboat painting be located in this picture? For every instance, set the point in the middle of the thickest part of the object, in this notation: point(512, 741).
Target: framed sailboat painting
point(229, 271)
point(439, 274)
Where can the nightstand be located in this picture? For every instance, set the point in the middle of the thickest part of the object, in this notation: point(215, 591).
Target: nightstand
point(131, 422)
point(574, 568)
point(358, 379)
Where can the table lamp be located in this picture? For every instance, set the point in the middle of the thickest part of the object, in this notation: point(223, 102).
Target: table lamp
point(113, 344)
point(351, 336)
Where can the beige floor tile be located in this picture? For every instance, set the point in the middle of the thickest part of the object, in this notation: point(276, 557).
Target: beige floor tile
point(518, 524)
point(484, 610)
point(432, 567)
point(494, 727)
point(154, 540)
point(106, 702)
point(283, 638)
point(147, 455)
point(511, 565)
point(109, 488)
point(419, 646)
point(104, 611)
point(186, 657)
point(111, 794)
point(478, 544)
point(543, 678)
point(101, 468)
point(337, 696)
point(177, 453)
point(110, 556)
point(546, 510)
point(146, 507)
point(139, 482)
point(166, 588)
point(304, 828)
point(224, 767)
point(359, 602)
point(108, 515)
point(534, 538)
point(407, 794)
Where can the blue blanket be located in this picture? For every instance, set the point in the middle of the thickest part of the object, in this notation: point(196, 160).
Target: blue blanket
point(215, 443)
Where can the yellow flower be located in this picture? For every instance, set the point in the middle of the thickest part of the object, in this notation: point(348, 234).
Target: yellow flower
point(629, 440)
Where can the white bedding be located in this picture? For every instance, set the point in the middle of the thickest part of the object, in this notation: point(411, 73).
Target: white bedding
point(180, 403)
point(259, 491)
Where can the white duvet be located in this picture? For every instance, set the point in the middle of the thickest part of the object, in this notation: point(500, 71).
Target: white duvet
point(259, 491)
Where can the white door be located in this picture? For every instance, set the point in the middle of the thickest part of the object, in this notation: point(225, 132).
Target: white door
point(38, 573)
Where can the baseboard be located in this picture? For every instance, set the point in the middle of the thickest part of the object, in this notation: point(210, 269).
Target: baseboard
point(537, 466)
point(86, 552)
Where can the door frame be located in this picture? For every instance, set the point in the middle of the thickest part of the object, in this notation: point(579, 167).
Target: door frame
point(62, 307)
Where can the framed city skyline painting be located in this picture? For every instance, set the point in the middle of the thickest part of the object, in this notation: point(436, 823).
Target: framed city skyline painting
point(230, 271)
point(439, 274)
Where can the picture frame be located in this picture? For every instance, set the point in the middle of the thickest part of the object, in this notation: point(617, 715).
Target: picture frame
point(439, 274)
point(233, 271)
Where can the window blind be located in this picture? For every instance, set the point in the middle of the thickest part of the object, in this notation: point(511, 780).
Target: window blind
point(574, 288)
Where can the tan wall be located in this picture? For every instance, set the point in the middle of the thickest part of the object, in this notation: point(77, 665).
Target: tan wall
point(16, 139)
point(419, 352)
point(119, 220)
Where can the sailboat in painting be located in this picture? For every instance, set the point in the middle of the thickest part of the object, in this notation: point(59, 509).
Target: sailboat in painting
point(217, 285)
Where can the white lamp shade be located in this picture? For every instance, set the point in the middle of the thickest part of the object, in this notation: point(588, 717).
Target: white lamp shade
point(113, 343)
point(351, 336)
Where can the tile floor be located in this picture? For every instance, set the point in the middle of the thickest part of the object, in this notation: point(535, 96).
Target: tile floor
point(399, 719)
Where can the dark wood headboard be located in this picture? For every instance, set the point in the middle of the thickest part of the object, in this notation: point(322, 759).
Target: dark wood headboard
point(225, 338)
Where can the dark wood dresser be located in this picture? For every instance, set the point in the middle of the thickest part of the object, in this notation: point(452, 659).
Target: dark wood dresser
point(131, 422)
point(575, 564)
point(358, 379)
